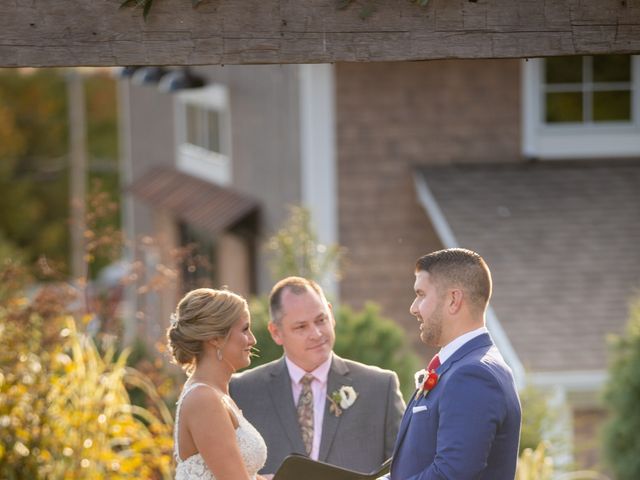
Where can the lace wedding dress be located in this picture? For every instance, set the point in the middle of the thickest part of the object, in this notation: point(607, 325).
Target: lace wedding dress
point(252, 446)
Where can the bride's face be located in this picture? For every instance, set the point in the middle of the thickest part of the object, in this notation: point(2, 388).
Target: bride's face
point(237, 349)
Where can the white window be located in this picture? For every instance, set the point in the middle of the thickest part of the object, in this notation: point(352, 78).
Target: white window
point(581, 107)
point(203, 130)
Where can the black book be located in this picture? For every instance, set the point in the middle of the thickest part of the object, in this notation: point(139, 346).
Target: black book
point(299, 467)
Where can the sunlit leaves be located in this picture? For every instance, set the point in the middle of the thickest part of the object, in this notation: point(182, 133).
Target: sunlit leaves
point(65, 412)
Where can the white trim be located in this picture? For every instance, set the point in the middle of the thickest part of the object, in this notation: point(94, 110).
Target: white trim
point(318, 154)
point(506, 348)
point(540, 140)
point(192, 159)
point(127, 206)
point(443, 229)
point(572, 381)
point(434, 212)
point(202, 163)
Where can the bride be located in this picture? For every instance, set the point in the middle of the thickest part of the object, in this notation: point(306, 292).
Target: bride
point(210, 337)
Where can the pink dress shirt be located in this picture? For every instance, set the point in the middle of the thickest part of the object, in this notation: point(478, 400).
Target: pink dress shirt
point(319, 389)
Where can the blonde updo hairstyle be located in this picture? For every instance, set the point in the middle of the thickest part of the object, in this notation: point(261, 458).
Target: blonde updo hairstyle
point(202, 314)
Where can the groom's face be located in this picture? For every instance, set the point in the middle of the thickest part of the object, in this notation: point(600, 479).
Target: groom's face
point(428, 309)
point(306, 329)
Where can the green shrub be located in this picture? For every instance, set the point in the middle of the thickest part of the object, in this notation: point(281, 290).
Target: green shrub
point(622, 432)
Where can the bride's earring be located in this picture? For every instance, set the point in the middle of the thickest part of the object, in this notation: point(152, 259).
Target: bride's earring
point(219, 354)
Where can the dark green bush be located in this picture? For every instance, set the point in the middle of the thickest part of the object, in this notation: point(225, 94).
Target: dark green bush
point(622, 432)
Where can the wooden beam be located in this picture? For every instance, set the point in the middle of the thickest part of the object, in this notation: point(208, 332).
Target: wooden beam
point(41, 33)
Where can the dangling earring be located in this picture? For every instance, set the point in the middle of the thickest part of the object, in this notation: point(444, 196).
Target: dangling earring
point(219, 353)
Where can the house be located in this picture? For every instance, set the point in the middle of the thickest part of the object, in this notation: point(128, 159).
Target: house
point(533, 163)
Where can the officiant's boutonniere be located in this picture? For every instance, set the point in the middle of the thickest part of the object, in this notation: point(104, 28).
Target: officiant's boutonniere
point(426, 381)
point(342, 399)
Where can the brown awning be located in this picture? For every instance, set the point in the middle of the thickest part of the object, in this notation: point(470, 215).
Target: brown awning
point(202, 204)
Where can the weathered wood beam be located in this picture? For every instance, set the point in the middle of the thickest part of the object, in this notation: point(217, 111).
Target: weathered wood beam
point(42, 33)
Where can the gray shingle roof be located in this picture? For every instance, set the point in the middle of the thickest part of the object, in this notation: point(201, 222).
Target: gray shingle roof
point(563, 244)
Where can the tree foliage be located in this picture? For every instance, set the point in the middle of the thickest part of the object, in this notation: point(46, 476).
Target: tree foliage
point(34, 164)
point(295, 249)
point(622, 432)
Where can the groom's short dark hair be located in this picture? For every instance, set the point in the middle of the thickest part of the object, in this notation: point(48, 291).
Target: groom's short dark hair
point(462, 268)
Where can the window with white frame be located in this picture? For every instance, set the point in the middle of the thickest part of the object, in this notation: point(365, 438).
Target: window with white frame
point(581, 107)
point(203, 130)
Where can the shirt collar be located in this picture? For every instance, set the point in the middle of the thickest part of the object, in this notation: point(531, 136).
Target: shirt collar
point(321, 373)
point(450, 348)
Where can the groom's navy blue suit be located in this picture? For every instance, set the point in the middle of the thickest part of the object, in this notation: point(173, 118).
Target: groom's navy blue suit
point(468, 426)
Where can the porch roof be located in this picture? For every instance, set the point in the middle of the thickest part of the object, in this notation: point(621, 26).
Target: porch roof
point(212, 208)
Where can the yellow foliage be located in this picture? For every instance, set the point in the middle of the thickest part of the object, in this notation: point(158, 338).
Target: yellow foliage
point(534, 464)
point(65, 412)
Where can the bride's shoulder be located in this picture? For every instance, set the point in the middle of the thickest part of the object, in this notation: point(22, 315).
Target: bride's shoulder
point(203, 405)
point(198, 396)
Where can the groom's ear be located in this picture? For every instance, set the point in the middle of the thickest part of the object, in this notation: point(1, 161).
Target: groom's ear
point(274, 330)
point(456, 296)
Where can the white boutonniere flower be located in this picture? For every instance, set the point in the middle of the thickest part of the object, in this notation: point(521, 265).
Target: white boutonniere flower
point(420, 376)
point(342, 399)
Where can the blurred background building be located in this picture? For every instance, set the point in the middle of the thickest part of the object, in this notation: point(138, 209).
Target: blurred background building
point(533, 163)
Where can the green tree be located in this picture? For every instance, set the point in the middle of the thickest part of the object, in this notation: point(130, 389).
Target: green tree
point(622, 432)
point(34, 166)
point(295, 249)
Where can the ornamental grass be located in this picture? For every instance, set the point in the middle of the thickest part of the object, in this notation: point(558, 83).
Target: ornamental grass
point(64, 408)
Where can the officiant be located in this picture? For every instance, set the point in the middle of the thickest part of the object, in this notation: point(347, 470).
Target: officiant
point(311, 401)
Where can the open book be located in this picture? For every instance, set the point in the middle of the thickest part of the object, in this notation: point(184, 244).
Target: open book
point(297, 467)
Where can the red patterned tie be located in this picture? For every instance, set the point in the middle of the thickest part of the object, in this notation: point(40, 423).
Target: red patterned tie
point(434, 363)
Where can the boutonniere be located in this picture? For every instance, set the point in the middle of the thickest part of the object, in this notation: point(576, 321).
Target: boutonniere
point(342, 399)
point(426, 381)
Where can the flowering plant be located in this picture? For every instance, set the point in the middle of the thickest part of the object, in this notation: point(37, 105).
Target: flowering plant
point(426, 381)
point(342, 399)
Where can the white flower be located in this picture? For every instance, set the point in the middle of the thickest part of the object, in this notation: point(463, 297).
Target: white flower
point(420, 376)
point(347, 396)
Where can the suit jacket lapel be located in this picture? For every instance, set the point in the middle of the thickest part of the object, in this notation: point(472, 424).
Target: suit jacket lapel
point(279, 386)
point(338, 376)
point(483, 340)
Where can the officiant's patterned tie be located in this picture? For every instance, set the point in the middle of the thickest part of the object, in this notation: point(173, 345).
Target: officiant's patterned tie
point(305, 412)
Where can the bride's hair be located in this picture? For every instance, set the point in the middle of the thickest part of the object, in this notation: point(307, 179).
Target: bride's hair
point(201, 315)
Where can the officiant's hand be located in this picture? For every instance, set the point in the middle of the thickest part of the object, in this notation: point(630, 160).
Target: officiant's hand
point(268, 476)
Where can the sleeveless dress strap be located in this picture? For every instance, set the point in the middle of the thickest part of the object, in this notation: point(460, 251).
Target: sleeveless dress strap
point(185, 392)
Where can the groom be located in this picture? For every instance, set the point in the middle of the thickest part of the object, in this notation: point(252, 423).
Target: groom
point(464, 420)
point(287, 399)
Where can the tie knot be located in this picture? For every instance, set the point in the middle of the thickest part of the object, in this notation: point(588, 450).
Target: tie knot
point(434, 363)
point(307, 379)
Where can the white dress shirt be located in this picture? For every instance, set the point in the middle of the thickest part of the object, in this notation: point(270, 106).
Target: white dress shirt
point(450, 348)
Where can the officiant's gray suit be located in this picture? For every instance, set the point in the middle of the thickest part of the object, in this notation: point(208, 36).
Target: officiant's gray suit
point(362, 438)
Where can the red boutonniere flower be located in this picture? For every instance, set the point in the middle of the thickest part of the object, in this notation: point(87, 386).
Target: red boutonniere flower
point(426, 381)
